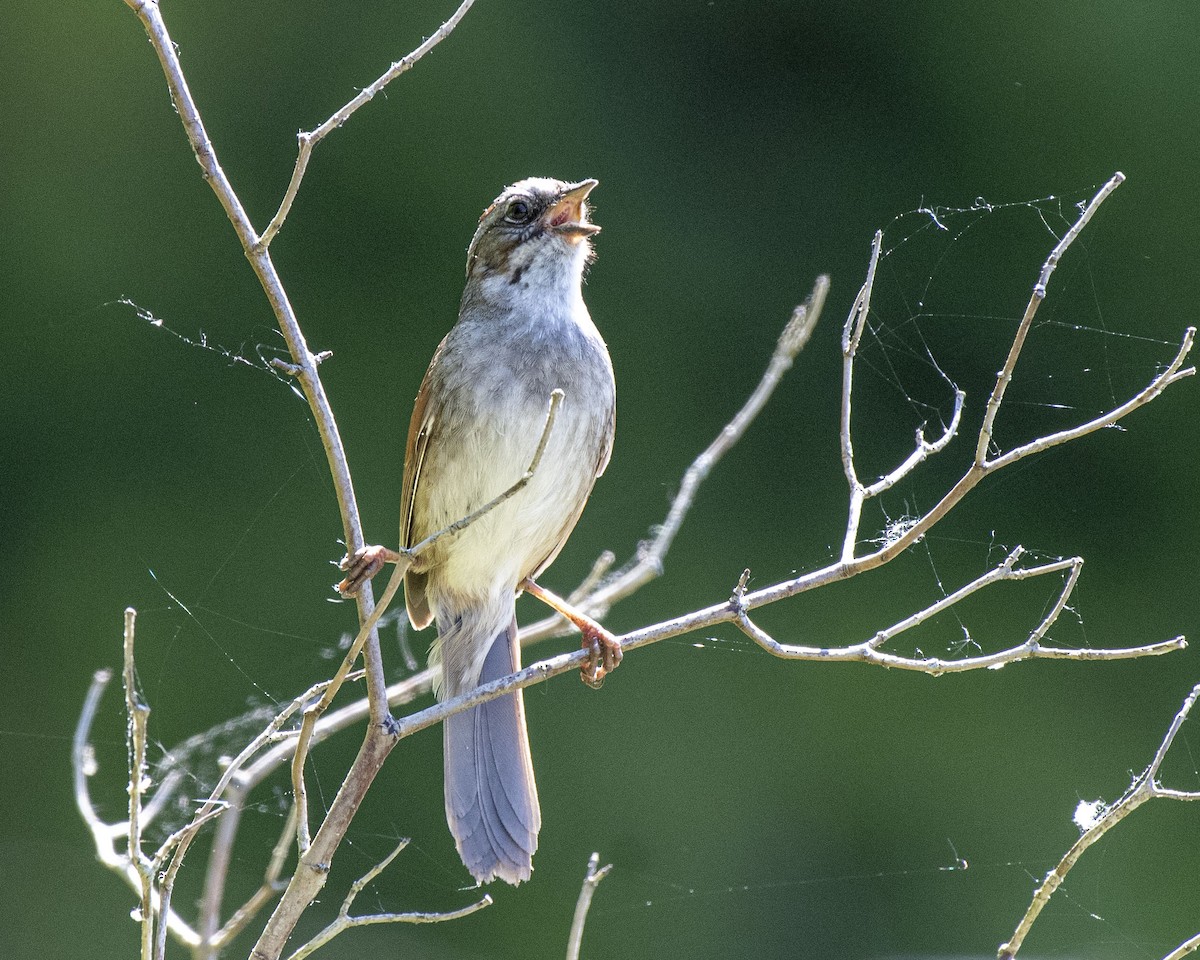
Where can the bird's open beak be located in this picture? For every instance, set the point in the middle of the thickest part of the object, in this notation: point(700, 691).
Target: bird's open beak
point(568, 214)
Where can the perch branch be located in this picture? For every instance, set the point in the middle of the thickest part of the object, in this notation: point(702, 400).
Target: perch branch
point(1144, 787)
point(736, 610)
point(645, 567)
point(315, 857)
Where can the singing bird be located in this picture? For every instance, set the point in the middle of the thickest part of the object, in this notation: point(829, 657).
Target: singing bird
point(523, 332)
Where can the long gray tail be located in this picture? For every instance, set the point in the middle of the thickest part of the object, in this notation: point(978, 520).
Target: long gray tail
point(491, 799)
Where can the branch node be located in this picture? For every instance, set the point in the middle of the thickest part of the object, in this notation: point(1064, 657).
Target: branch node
point(284, 367)
point(737, 599)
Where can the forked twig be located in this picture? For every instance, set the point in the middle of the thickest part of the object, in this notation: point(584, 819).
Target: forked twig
point(591, 881)
point(344, 921)
point(852, 334)
point(1144, 787)
point(868, 651)
point(308, 141)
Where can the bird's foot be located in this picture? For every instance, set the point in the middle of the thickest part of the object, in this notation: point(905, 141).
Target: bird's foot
point(604, 649)
point(361, 566)
point(604, 654)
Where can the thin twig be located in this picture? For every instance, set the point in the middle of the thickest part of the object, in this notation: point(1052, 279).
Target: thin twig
point(176, 846)
point(344, 921)
point(1031, 649)
point(1039, 294)
point(137, 715)
point(591, 881)
point(308, 141)
point(1186, 948)
point(105, 835)
point(267, 891)
point(852, 331)
point(1144, 787)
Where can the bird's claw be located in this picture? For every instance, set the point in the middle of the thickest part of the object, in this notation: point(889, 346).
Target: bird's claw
point(361, 566)
point(604, 655)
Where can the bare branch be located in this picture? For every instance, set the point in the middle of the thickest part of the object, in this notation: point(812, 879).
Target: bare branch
point(556, 398)
point(181, 839)
point(591, 881)
point(176, 846)
point(308, 141)
point(137, 715)
point(869, 650)
point(1174, 372)
point(851, 565)
point(1144, 787)
point(924, 449)
point(852, 331)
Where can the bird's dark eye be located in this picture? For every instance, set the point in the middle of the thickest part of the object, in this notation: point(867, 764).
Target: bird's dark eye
point(519, 211)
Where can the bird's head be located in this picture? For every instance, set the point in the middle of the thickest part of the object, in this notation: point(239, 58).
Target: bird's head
point(536, 225)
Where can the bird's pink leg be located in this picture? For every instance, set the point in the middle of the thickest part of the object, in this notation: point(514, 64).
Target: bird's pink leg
point(604, 649)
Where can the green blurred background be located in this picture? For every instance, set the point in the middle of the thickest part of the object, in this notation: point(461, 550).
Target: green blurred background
point(752, 808)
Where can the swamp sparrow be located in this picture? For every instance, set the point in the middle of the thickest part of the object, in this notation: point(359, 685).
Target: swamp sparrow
point(523, 332)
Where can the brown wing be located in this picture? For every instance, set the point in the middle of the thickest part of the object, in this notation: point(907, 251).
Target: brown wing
point(420, 429)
